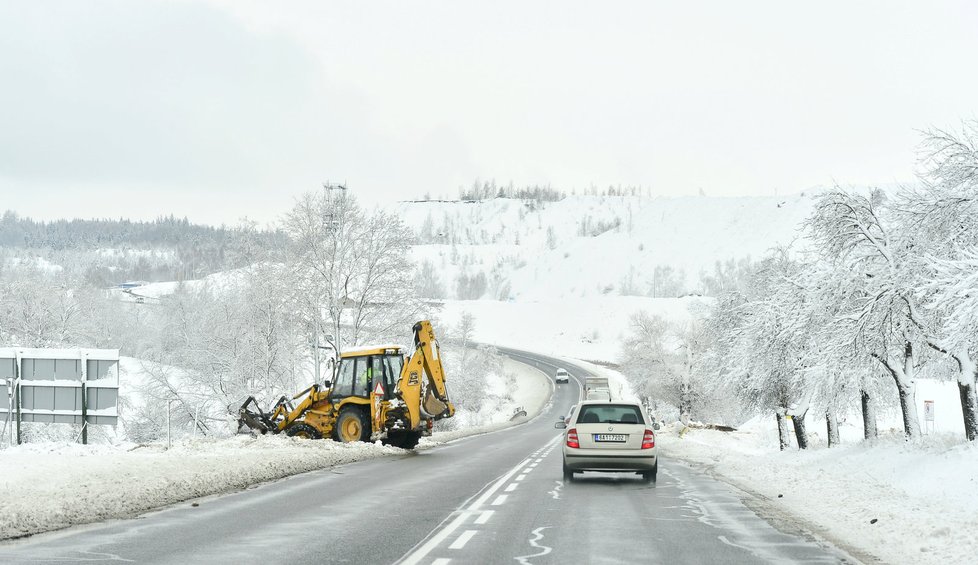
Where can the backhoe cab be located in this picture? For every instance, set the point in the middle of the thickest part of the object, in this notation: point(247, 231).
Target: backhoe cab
point(375, 393)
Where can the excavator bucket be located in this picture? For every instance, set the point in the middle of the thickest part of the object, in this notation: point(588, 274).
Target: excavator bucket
point(252, 418)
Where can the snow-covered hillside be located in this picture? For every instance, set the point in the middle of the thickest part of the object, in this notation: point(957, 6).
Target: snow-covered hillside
point(594, 245)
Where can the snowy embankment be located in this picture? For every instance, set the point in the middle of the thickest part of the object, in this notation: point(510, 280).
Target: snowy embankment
point(47, 486)
point(895, 501)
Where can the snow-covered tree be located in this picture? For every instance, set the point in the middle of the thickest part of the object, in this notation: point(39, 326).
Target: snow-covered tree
point(662, 360)
point(853, 233)
point(351, 268)
point(943, 216)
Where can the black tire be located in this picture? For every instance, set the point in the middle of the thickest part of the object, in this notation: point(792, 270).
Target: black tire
point(403, 439)
point(303, 430)
point(649, 476)
point(351, 425)
point(568, 474)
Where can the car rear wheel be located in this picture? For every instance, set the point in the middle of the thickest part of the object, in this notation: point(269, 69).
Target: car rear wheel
point(649, 476)
point(568, 474)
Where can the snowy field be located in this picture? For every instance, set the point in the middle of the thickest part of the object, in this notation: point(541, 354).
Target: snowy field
point(48, 486)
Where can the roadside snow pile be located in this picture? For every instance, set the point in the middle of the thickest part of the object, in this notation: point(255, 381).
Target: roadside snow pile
point(900, 502)
point(46, 487)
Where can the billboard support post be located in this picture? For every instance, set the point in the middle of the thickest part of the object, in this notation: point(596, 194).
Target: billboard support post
point(17, 400)
point(84, 398)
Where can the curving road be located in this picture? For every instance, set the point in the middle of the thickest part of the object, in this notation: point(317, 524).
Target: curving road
point(496, 498)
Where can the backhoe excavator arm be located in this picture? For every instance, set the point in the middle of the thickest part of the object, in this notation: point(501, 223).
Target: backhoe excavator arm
point(426, 360)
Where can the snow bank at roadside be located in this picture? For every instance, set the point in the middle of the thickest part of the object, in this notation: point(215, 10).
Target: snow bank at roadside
point(900, 502)
point(49, 486)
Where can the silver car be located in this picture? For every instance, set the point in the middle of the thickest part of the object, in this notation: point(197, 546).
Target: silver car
point(609, 436)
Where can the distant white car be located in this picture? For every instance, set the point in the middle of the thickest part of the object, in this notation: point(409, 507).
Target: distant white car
point(604, 436)
point(561, 376)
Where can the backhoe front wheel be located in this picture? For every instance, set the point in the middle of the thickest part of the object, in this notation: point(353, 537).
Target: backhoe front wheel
point(303, 430)
point(351, 425)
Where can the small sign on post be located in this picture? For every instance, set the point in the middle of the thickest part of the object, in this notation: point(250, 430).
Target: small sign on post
point(929, 415)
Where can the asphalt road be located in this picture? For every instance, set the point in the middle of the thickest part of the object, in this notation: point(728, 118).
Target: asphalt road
point(496, 498)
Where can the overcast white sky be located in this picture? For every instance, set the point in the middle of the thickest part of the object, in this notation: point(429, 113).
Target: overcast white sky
point(218, 110)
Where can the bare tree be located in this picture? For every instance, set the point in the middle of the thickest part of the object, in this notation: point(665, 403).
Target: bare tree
point(351, 268)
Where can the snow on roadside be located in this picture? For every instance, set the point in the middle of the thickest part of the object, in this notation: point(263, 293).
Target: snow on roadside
point(900, 502)
point(49, 486)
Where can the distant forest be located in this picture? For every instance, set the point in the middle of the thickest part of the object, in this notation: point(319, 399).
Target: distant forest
point(166, 248)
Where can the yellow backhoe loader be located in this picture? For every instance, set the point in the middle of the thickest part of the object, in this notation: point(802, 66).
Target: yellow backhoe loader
point(376, 393)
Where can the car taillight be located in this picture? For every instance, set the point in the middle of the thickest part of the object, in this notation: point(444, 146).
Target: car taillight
point(648, 441)
point(572, 438)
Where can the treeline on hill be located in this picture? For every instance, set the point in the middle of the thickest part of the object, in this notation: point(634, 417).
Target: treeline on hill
point(167, 248)
point(487, 190)
point(881, 293)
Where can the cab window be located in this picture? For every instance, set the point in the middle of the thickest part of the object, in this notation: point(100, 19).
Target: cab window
point(344, 377)
point(392, 372)
point(364, 376)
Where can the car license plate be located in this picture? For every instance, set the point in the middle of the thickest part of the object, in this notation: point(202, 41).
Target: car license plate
point(610, 437)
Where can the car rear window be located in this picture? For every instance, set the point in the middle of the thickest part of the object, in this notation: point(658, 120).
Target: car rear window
point(610, 414)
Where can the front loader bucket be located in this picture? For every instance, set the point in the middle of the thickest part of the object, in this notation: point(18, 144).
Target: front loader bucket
point(251, 417)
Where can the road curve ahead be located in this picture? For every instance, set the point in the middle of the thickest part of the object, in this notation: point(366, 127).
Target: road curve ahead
point(495, 498)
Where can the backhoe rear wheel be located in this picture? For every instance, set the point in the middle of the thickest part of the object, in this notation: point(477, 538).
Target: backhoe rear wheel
point(303, 430)
point(351, 425)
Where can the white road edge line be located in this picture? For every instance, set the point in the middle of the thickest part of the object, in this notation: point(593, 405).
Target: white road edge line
point(463, 539)
point(434, 541)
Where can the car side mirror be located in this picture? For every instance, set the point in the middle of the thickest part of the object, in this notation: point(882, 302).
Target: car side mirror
point(561, 424)
point(328, 384)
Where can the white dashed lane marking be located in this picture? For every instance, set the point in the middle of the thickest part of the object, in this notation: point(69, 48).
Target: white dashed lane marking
point(450, 525)
point(463, 539)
